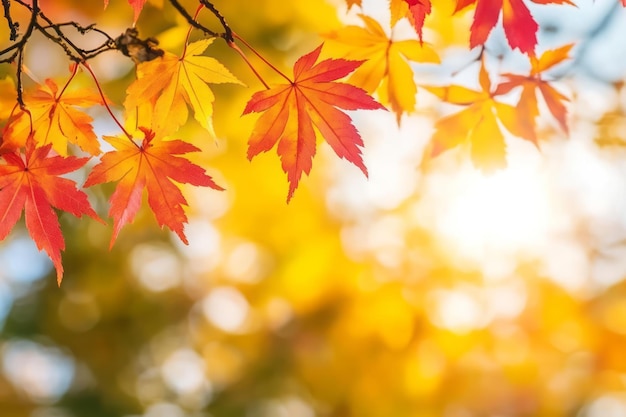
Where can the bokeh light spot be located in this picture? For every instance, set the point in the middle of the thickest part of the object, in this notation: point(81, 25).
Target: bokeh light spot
point(226, 308)
point(43, 374)
point(156, 267)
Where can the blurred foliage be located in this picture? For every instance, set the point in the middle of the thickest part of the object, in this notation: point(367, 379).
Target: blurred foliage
point(334, 305)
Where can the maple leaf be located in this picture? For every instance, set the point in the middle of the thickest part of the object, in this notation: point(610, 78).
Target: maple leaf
point(153, 166)
point(358, 3)
point(32, 184)
point(531, 85)
point(172, 82)
point(519, 25)
point(386, 67)
point(54, 119)
point(476, 125)
point(311, 99)
point(137, 6)
point(414, 10)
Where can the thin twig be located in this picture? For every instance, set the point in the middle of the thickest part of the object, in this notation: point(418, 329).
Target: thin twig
point(20, 55)
point(228, 33)
point(106, 105)
point(13, 26)
point(191, 20)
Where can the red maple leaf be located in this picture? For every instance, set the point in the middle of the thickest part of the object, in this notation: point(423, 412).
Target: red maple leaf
point(418, 10)
point(310, 100)
point(519, 25)
point(414, 10)
point(151, 165)
point(32, 183)
point(136, 4)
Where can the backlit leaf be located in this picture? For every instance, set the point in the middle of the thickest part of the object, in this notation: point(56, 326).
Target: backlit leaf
point(56, 119)
point(519, 25)
point(31, 183)
point(385, 60)
point(311, 100)
point(527, 106)
point(414, 10)
point(152, 165)
point(171, 83)
point(476, 125)
point(137, 6)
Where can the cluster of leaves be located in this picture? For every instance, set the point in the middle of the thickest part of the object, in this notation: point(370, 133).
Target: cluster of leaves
point(48, 123)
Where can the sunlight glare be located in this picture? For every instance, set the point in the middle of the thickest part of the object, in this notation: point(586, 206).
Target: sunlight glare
point(607, 406)
point(460, 310)
point(509, 209)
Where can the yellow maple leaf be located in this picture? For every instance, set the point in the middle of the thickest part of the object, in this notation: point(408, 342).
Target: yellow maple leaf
point(386, 69)
point(169, 83)
point(398, 10)
point(414, 10)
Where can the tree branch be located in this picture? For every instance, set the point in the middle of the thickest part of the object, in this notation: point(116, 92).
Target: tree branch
point(183, 12)
point(13, 26)
point(228, 34)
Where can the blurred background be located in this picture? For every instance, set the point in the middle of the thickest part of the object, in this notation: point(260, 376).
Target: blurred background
point(419, 292)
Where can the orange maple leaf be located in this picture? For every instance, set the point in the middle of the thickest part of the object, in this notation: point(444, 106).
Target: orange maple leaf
point(311, 99)
point(414, 10)
point(476, 125)
point(519, 25)
point(386, 68)
point(53, 119)
point(533, 83)
point(151, 165)
point(32, 183)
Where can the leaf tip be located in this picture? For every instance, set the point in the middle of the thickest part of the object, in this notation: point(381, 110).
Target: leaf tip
point(292, 190)
point(98, 218)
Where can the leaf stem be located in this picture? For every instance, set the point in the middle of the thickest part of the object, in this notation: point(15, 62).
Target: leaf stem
point(106, 105)
point(74, 71)
point(234, 46)
point(195, 17)
point(269, 64)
